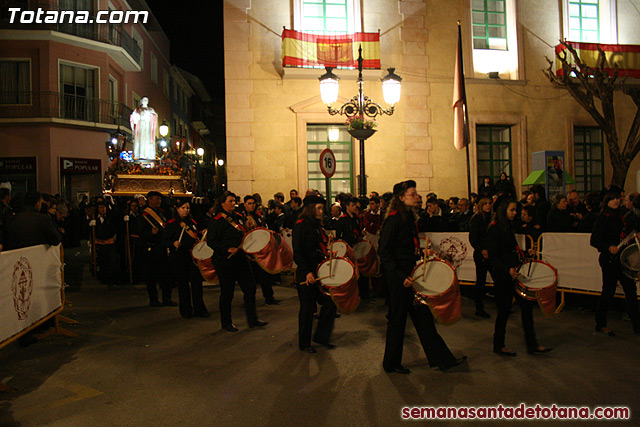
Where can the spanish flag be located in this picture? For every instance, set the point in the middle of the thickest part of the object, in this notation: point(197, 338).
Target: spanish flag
point(626, 57)
point(314, 50)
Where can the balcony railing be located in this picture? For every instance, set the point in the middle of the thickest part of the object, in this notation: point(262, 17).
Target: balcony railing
point(63, 106)
point(113, 34)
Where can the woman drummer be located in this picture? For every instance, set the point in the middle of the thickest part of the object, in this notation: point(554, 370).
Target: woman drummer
point(309, 250)
point(478, 227)
point(179, 237)
point(399, 251)
point(504, 259)
point(224, 236)
point(607, 232)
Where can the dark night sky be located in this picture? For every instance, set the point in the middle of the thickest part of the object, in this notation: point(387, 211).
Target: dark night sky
point(195, 30)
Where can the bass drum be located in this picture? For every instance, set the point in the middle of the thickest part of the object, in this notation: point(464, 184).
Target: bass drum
point(630, 260)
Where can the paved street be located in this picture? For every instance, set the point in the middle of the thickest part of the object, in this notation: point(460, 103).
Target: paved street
point(135, 365)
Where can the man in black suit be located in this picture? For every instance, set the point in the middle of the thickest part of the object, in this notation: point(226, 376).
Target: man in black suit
point(29, 227)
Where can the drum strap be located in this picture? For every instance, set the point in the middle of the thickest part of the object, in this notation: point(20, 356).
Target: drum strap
point(189, 230)
point(233, 223)
point(324, 239)
point(157, 218)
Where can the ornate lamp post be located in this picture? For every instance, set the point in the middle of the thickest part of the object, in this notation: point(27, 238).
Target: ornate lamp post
point(360, 105)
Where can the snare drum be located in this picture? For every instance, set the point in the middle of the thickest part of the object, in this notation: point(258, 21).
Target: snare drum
point(538, 281)
point(436, 285)
point(341, 284)
point(269, 249)
point(367, 259)
point(630, 260)
point(201, 254)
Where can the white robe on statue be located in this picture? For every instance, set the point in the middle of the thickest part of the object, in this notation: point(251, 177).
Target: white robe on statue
point(144, 123)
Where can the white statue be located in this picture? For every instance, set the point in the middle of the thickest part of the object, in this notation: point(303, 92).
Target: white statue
point(144, 124)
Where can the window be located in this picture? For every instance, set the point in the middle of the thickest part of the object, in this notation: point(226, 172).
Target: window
point(80, 30)
point(154, 68)
point(113, 96)
point(166, 85)
point(489, 23)
point(138, 39)
point(590, 21)
point(327, 16)
point(15, 81)
point(77, 98)
point(495, 39)
point(588, 154)
point(338, 140)
point(494, 151)
point(136, 100)
point(583, 20)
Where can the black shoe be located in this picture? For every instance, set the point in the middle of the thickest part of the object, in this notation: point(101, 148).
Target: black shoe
point(455, 362)
point(539, 350)
point(398, 369)
point(230, 327)
point(309, 349)
point(327, 345)
point(155, 303)
point(504, 352)
point(169, 303)
point(483, 314)
point(604, 331)
point(258, 322)
point(204, 314)
point(272, 301)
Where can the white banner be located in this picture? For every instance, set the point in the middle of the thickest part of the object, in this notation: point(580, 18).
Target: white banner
point(455, 248)
point(575, 259)
point(30, 284)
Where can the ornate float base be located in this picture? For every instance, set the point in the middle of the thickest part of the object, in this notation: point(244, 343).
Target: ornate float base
point(130, 185)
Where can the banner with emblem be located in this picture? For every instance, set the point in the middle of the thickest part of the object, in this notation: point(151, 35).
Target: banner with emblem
point(315, 50)
point(30, 284)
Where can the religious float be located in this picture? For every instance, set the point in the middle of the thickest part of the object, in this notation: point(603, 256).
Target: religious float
point(153, 164)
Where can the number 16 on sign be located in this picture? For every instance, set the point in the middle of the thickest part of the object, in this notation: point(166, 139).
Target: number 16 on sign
point(328, 168)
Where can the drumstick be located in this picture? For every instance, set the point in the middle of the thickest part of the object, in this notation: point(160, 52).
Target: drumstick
point(204, 236)
point(181, 233)
point(319, 278)
point(626, 239)
point(238, 248)
point(330, 257)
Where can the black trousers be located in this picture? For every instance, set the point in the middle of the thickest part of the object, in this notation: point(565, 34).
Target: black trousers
point(157, 271)
point(363, 287)
point(107, 260)
point(189, 280)
point(482, 268)
point(401, 303)
point(504, 289)
point(237, 269)
point(309, 295)
point(265, 280)
point(611, 275)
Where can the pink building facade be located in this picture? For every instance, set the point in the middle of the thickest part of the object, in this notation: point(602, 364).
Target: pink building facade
point(66, 87)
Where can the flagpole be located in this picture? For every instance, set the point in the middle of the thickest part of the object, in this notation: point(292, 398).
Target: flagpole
point(467, 136)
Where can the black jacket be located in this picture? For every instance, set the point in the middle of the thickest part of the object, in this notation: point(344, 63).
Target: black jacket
point(560, 221)
point(309, 246)
point(349, 229)
point(463, 220)
point(503, 250)
point(222, 235)
point(172, 234)
point(608, 230)
point(478, 231)
point(30, 228)
point(147, 239)
point(399, 245)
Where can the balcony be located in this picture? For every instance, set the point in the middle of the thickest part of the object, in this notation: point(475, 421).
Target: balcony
point(59, 106)
point(109, 38)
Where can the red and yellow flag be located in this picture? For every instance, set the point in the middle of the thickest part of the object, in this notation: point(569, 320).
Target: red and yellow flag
point(314, 50)
point(626, 57)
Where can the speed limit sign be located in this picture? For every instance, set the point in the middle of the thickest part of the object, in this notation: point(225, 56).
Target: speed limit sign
point(327, 162)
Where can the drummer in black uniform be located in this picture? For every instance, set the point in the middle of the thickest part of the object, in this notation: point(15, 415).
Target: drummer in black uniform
point(349, 228)
point(399, 251)
point(504, 259)
point(254, 219)
point(309, 250)
point(608, 230)
point(151, 225)
point(224, 236)
point(180, 235)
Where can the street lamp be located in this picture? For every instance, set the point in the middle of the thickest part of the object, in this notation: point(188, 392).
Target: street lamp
point(360, 105)
point(163, 129)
